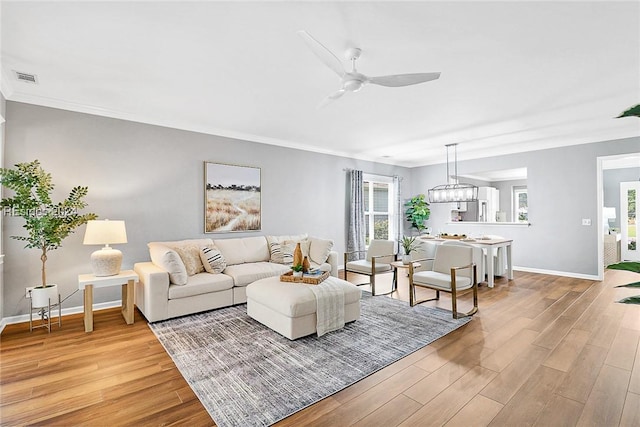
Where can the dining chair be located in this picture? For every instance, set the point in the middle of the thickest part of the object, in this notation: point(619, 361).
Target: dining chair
point(378, 259)
point(453, 271)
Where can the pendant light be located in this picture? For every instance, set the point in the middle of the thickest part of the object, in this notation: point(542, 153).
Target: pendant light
point(453, 191)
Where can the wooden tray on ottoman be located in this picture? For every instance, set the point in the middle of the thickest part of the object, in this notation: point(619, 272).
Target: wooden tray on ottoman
point(309, 280)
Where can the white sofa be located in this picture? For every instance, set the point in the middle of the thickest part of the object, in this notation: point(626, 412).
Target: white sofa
point(175, 283)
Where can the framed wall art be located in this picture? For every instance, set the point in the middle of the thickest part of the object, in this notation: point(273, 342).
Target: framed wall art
point(232, 199)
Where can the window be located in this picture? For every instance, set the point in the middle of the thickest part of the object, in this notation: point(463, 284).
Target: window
point(520, 205)
point(379, 208)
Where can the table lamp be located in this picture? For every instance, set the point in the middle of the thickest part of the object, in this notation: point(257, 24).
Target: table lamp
point(105, 261)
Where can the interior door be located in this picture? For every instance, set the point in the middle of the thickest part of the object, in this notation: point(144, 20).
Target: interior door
point(628, 224)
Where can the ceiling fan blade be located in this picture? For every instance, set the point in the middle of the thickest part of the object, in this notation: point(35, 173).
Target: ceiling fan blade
point(325, 55)
point(403, 79)
point(332, 97)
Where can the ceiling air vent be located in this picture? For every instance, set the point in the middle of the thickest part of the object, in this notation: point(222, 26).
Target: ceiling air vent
point(26, 77)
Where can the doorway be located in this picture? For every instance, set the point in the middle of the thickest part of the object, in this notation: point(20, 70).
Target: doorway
point(611, 171)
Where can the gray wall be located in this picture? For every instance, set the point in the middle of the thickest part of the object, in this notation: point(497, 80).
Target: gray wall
point(611, 179)
point(153, 178)
point(562, 190)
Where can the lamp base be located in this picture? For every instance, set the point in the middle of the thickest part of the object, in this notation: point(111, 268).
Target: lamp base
point(106, 262)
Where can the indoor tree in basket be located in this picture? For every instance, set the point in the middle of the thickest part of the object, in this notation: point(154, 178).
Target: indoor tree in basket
point(417, 212)
point(47, 222)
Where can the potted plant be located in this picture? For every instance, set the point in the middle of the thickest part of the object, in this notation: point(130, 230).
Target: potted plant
point(47, 222)
point(297, 270)
point(409, 244)
point(417, 212)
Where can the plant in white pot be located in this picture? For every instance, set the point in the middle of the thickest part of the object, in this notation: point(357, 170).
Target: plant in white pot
point(297, 270)
point(47, 223)
point(409, 245)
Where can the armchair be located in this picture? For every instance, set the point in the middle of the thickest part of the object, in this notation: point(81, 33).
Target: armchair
point(478, 258)
point(377, 260)
point(453, 271)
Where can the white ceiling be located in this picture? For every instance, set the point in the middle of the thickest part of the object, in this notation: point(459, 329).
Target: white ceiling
point(516, 76)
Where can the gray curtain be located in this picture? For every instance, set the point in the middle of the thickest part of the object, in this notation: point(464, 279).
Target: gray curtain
point(356, 231)
point(399, 215)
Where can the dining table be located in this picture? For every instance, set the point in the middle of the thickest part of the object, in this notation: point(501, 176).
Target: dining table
point(491, 245)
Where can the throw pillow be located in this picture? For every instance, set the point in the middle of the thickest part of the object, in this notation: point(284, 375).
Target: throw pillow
point(169, 260)
point(319, 249)
point(212, 259)
point(189, 252)
point(281, 253)
point(281, 248)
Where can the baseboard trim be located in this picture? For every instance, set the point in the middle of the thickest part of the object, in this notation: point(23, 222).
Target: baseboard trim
point(558, 273)
point(65, 311)
point(104, 305)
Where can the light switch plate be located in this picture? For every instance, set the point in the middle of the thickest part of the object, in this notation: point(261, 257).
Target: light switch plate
point(586, 221)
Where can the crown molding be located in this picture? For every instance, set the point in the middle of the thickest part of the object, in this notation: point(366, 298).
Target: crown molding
point(180, 125)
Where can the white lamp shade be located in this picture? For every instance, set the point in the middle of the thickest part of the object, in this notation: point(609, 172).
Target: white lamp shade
point(105, 233)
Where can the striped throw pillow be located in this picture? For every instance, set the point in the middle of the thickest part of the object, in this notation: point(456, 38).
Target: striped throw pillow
point(212, 259)
point(281, 253)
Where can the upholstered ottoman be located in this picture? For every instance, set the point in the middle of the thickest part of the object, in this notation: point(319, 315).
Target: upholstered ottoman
point(290, 308)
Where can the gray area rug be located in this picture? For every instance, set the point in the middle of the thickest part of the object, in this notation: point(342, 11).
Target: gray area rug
point(247, 375)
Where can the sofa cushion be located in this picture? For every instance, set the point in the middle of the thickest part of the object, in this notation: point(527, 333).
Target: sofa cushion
point(243, 274)
point(169, 260)
point(189, 252)
point(199, 284)
point(243, 250)
point(190, 255)
point(319, 249)
point(212, 259)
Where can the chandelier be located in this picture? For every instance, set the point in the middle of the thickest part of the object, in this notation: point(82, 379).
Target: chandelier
point(453, 191)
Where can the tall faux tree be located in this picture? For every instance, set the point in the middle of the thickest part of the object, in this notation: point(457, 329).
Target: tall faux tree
point(47, 222)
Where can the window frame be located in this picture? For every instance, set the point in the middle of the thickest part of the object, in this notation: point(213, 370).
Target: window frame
point(516, 190)
point(391, 203)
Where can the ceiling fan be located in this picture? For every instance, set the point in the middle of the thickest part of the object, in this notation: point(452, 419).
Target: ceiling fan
point(353, 81)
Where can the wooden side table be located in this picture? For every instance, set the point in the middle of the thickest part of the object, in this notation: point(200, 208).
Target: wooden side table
point(396, 265)
point(86, 283)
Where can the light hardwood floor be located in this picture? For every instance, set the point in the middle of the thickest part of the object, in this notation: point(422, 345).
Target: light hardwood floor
point(542, 351)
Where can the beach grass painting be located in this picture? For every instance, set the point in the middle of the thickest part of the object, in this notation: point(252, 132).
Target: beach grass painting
point(232, 198)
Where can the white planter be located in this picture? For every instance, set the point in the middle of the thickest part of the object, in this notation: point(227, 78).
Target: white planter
point(297, 274)
point(406, 259)
point(40, 296)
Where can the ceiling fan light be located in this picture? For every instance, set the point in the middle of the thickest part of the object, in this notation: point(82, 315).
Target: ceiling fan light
point(352, 85)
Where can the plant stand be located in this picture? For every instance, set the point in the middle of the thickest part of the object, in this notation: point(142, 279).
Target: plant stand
point(45, 315)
